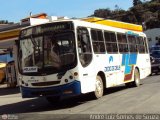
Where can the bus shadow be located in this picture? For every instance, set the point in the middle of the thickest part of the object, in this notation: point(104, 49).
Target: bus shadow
point(37, 105)
point(9, 91)
point(41, 105)
point(155, 74)
point(115, 89)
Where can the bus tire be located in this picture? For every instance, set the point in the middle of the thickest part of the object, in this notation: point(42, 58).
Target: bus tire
point(128, 85)
point(53, 99)
point(136, 81)
point(2, 80)
point(99, 88)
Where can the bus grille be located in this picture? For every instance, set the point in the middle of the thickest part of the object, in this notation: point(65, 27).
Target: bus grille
point(45, 83)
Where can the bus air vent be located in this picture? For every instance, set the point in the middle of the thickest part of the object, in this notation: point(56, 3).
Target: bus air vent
point(46, 83)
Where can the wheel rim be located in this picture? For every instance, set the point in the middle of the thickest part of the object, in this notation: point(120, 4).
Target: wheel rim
point(99, 88)
point(137, 77)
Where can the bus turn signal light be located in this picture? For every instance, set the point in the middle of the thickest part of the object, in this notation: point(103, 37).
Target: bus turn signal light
point(76, 74)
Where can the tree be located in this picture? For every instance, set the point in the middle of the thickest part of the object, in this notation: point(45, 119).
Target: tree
point(3, 21)
point(118, 14)
point(153, 23)
point(103, 13)
point(136, 2)
point(146, 13)
point(129, 17)
point(116, 7)
point(155, 0)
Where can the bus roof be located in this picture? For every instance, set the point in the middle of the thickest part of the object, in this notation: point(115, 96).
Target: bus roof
point(113, 23)
point(86, 23)
point(12, 31)
point(12, 34)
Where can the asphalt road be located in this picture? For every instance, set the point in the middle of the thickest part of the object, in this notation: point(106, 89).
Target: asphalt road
point(119, 100)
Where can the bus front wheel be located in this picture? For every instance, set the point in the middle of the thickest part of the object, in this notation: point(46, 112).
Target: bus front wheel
point(99, 89)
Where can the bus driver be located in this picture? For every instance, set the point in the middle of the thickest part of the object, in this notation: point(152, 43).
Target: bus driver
point(55, 55)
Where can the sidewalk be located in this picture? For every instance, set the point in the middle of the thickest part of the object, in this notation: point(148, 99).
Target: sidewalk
point(3, 85)
point(9, 95)
point(5, 90)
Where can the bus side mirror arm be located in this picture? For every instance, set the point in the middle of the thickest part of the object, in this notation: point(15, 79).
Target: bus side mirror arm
point(10, 52)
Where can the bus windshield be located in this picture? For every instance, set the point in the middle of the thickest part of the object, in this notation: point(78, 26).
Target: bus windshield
point(46, 52)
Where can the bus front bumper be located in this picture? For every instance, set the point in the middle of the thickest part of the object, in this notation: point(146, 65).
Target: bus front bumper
point(70, 89)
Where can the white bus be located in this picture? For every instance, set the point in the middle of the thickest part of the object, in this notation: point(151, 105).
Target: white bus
point(73, 57)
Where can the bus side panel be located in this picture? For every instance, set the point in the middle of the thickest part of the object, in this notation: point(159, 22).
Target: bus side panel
point(113, 70)
point(143, 63)
point(130, 61)
point(87, 76)
point(99, 64)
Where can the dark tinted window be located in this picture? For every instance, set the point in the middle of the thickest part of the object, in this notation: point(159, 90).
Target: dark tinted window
point(146, 45)
point(97, 41)
point(132, 43)
point(140, 44)
point(111, 43)
point(84, 46)
point(122, 43)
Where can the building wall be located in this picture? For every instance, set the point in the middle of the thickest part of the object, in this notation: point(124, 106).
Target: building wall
point(153, 36)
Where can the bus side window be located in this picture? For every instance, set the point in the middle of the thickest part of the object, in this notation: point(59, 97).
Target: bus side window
point(122, 43)
point(98, 41)
point(84, 46)
point(141, 45)
point(111, 42)
point(132, 44)
point(146, 45)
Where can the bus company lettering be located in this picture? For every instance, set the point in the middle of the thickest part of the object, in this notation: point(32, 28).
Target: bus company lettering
point(112, 68)
point(54, 28)
point(30, 69)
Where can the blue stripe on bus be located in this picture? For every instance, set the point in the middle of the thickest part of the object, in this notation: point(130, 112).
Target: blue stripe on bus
point(128, 60)
point(133, 59)
point(75, 87)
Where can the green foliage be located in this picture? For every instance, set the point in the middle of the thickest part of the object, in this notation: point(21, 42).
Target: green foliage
point(130, 17)
point(3, 21)
point(147, 12)
point(153, 23)
point(136, 2)
point(153, 7)
point(104, 13)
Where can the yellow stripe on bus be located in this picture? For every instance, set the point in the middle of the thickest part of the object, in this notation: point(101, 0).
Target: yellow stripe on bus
point(114, 23)
point(9, 34)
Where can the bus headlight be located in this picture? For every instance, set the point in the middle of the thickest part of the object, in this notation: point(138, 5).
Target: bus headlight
point(76, 74)
point(71, 77)
point(26, 84)
point(66, 80)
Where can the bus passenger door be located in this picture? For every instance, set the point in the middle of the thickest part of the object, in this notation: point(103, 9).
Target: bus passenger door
point(85, 66)
point(124, 59)
point(125, 67)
